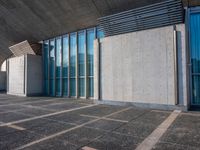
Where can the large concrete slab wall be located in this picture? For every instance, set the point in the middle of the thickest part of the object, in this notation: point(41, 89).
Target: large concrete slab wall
point(25, 75)
point(34, 75)
point(140, 67)
point(16, 76)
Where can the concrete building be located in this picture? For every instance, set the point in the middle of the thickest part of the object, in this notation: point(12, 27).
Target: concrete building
point(127, 52)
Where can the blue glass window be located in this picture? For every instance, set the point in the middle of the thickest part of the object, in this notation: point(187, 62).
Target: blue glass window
point(52, 67)
point(73, 45)
point(195, 57)
point(100, 33)
point(61, 57)
point(90, 55)
point(81, 62)
point(58, 67)
point(46, 66)
point(65, 64)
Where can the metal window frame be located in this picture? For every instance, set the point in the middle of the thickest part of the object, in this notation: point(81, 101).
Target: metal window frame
point(56, 78)
point(84, 76)
point(76, 77)
point(65, 36)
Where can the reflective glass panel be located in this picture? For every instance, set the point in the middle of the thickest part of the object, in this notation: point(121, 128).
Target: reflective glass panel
point(73, 45)
point(52, 67)
point(90, 55)
point(65, 64)
point(46, 66)
point(195, 56)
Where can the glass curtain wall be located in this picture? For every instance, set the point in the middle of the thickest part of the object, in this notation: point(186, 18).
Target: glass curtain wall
point(81, 63)
point(46, 66)
point(65, 60)
point(73, 42)
point(58, 67)
point(68, 64)
point(195, 57)
point(52, 68)
point(90, 61)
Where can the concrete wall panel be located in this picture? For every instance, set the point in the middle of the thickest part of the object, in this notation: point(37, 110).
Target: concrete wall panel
point(34, 75)
point(16, 76)
point(139, 66)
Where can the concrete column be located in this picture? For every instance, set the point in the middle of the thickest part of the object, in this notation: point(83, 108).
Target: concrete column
point(96, 69)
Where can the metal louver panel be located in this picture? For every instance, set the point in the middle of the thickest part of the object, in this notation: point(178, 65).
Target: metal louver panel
point(157, 15)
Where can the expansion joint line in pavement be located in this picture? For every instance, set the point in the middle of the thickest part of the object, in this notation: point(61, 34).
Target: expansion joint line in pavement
point(70, 129)
point(150, 141)
point(47, 115)
point(124, 123)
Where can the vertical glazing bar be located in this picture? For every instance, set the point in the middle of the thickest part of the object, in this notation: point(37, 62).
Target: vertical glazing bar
point(69, 65)
point(48, 68)
point(61, 72)
point(43, 68)
point(85, 62)
point(55, 67)
point(77, 66)
point(86, 65)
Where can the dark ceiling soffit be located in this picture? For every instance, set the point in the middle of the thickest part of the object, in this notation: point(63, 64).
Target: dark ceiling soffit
point(152, 16)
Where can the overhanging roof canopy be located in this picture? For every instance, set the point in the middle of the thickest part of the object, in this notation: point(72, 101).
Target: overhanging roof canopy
point(35, 20)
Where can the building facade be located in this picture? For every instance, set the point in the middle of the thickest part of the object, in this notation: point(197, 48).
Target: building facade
point(153, 63)
point(147, 56)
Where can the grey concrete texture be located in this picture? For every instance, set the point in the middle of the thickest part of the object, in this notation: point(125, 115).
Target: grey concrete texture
point(98, 126)
point(138, 68)
point(25, 75)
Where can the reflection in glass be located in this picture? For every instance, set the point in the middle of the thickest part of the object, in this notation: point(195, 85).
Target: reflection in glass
point(90, 62)
point(58, 67)
point(52, 67)
point(46, 68)
point(81, 63)
point(58, 63)
point(73, 64)
point(195, 56)
point(65, 64)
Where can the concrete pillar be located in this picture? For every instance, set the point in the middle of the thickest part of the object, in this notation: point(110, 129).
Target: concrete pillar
point(96, 69)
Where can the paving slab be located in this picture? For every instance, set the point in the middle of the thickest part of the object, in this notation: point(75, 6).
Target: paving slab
point(53, 144)
point(64, 106)
point(144, 125)
point(100, 110)
point(81, 136)
point(70, 117)
point(129, 114)
point(16, 139)
point(12, 116)
point(184, 131)
point(173, 146)
point(6, 130)
point(44, 126)
point(107, 125)
point(113, 141)
point(35, 111)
